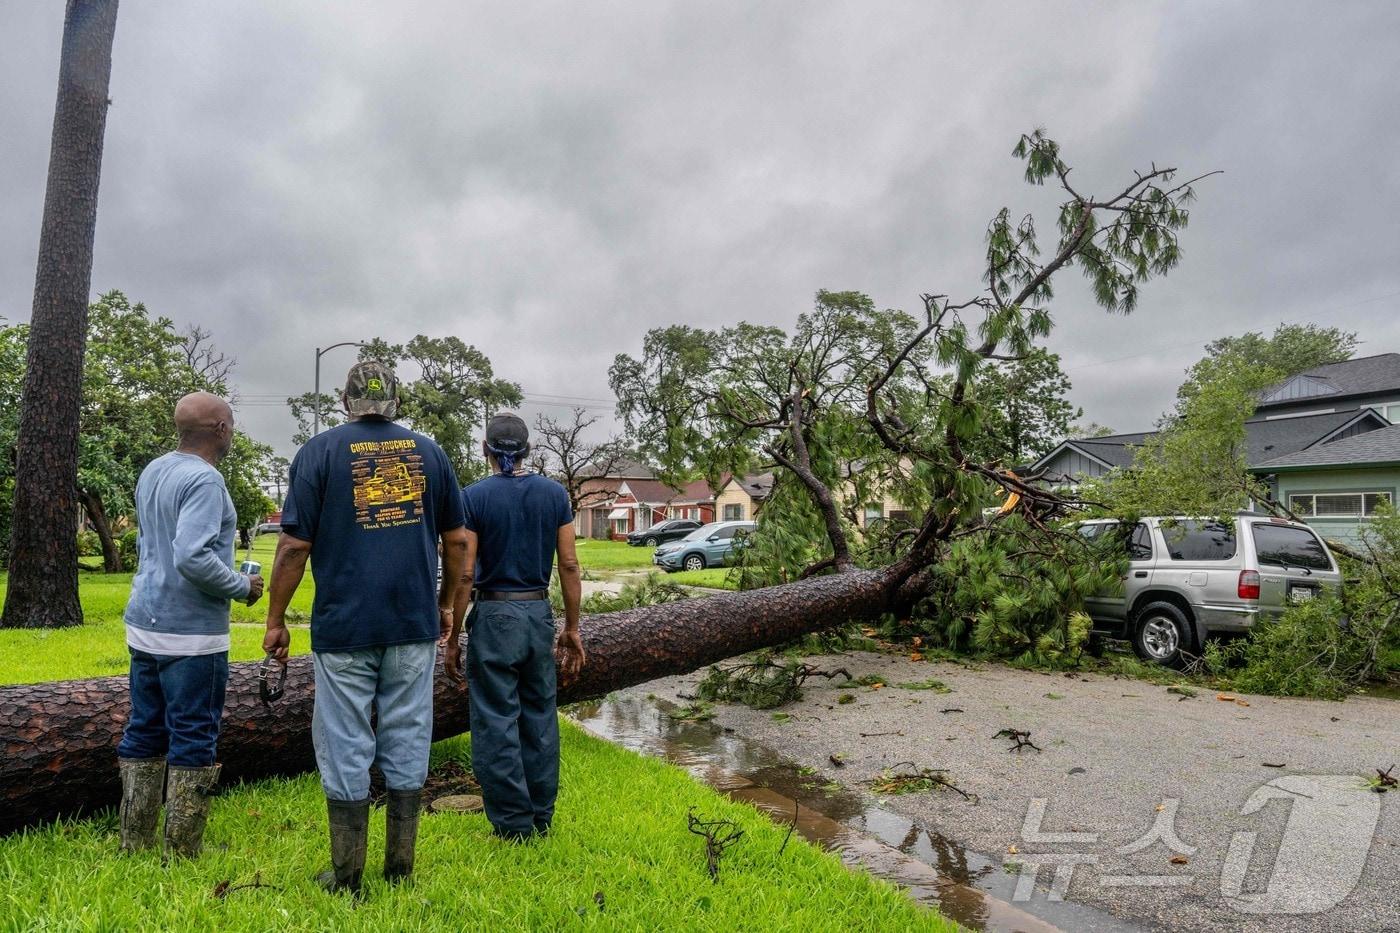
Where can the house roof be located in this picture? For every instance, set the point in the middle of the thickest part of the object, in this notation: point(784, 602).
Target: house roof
point(758, 485)
point(1374, 448)
point(1266, 439)
point(1368, 375)
point(650, 491)
point(655, 492)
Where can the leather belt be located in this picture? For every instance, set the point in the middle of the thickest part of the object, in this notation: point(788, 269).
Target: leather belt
point(510, 596)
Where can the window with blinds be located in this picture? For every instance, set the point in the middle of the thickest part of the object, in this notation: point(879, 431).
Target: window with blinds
point(1337, 504)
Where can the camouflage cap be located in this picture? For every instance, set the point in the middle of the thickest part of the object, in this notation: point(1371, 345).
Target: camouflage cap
point(371, 388)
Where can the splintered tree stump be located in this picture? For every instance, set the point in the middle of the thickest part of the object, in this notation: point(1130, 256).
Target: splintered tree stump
point(58, 740)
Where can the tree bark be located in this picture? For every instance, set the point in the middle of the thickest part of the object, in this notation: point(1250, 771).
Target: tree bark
point(58, 740)
point(97, 514)
point(43, 584)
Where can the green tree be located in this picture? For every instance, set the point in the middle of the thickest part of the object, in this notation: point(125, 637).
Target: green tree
point(713, 401)
point(1196, 464)
point(135, 370)
point(1027, 408)
point(454, 394)
point(12, 352)
point(1292, 349)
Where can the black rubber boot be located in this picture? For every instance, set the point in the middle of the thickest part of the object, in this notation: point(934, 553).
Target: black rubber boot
point(187, 794)
point(143, 788)
point(349, 822)
point(401, 809)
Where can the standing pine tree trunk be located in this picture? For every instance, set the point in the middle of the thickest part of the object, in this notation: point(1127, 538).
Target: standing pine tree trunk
point(43, 585)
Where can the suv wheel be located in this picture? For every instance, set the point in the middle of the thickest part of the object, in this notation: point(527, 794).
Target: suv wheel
point(1162, 633)
point(694, 562)
point(651, 542)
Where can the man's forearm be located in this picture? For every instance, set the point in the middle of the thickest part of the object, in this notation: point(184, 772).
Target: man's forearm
point(571, 584)
point(462, 602)
point(288, 567)
point(454, 566)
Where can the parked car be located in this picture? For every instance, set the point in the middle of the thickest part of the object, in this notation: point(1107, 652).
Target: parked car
point(1190, 578)
point(709, 545)
point(670, 530)
point(267, 528)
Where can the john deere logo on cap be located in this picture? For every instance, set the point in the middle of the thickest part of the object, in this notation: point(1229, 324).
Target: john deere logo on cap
point(375, 384)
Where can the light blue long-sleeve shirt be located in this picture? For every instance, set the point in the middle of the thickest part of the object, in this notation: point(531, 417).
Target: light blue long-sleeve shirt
point(180, 595)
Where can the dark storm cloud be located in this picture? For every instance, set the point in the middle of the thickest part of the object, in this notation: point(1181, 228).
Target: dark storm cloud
point(548, 182)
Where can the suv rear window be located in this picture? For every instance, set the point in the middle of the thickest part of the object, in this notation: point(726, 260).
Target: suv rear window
point(1284, 546)
point(1197, 540)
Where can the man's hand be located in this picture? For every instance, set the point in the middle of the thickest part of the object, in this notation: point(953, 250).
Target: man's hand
point(278, 641)
point(255, 588)
point(569, 653)
point(452, 662)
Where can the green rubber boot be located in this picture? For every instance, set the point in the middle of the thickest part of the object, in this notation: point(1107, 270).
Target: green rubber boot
point(349, 822)
point(143, 784)
point(187, 794)
point(401, 810)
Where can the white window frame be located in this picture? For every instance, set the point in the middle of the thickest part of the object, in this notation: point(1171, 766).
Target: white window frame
point(1362, 494)
point(738, 515)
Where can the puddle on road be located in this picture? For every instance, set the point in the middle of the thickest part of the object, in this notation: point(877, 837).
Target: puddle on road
point(965, 886)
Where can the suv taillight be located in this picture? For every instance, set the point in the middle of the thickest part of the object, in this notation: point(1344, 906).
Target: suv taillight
point(1249, 584)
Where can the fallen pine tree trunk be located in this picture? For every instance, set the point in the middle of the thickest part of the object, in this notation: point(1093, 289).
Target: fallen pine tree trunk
point(59, 739)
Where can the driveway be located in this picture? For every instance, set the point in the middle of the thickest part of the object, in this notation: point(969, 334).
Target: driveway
point(1174, 812)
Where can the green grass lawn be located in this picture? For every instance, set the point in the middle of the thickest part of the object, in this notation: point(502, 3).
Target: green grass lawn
point(612, 555)
point(620, 838)
point(714, 577)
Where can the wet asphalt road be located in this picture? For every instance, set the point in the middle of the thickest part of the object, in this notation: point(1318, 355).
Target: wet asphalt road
point(1263, 820)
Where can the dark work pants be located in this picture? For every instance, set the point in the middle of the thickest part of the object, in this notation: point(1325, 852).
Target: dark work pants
point(176, 704)
point(515, 727)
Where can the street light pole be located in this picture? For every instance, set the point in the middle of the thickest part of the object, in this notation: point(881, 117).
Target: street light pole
point(316, 395)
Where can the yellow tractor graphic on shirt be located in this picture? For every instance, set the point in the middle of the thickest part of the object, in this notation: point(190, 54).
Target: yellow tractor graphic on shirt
point(391, 483)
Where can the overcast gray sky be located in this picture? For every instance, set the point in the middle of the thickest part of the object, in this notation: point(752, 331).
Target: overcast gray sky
point(548, 181)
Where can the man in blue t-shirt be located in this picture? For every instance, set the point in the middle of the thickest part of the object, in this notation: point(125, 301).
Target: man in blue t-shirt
point(516, 522)
point(369, 502)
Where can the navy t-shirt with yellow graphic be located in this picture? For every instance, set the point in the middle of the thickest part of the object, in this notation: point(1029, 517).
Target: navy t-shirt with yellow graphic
point(372, 497)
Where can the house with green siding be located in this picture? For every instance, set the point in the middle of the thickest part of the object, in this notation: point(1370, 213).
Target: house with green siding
point(1326, 440)
point(1338, 487)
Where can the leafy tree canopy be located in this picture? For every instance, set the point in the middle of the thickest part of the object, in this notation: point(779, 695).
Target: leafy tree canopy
point(1291, 349)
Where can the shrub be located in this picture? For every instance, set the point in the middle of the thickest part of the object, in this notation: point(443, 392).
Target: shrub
point(126, 549)
point(89, 544)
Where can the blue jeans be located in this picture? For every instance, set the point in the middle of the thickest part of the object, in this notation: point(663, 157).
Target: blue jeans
point(397, 683)
point(176, 704)
point(515, 727)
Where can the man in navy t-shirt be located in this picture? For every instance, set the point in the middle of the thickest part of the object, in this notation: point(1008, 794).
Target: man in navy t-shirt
point(516, 522)
point(369, 502)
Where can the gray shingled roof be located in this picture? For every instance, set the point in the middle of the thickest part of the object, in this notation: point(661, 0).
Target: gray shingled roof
point(757, 485)
point(1374, 447)
point(1266, 439)
point(1364, 376)
point(1282, 436)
